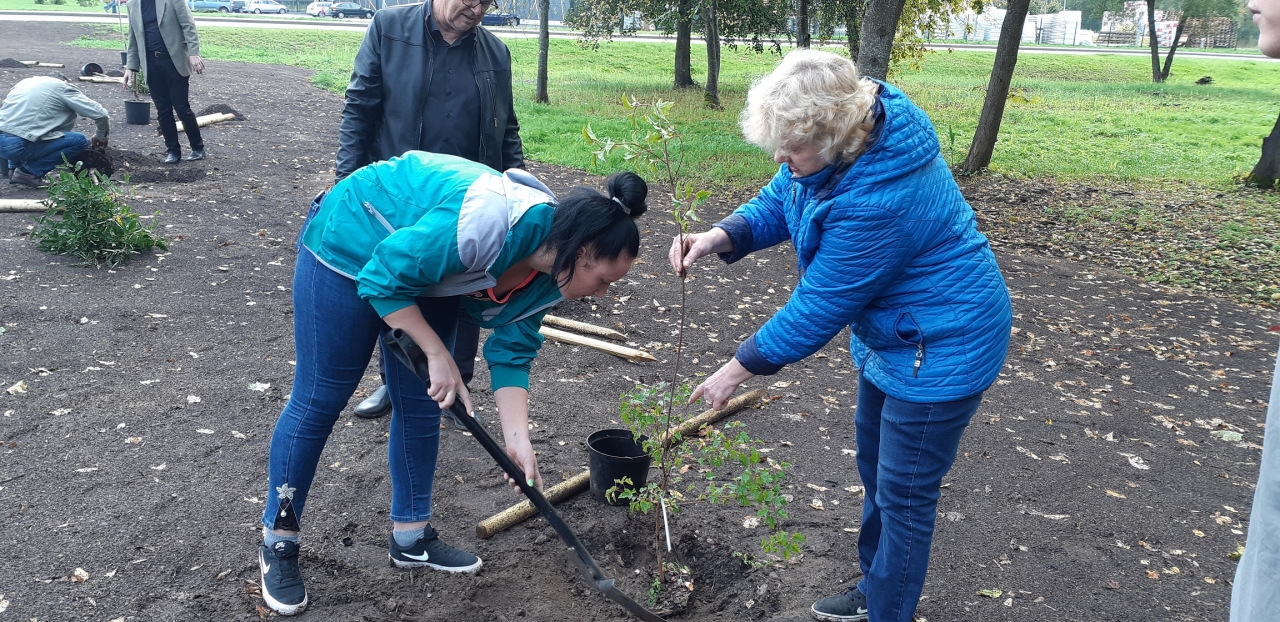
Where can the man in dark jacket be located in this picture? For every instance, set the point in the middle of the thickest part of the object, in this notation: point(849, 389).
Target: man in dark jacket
point(428, 77)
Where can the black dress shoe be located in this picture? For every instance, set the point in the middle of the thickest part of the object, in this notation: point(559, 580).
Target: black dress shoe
point(172, 158)
point(196, 154)
point(376, 405)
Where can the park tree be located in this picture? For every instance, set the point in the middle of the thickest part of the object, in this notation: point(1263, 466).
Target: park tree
point(802, 24)
point(894, 30)
point(1266, 172)
point(984, 138)
point(877, 30)
point(544, 51)
point(1191, 9)
point(847, 13)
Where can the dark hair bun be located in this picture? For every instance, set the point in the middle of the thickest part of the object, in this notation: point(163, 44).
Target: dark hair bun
point(630, 189)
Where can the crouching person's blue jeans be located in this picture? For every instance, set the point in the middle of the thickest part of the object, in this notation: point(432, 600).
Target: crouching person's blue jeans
point(904, 450)
point(334, 332)
point(39, 157)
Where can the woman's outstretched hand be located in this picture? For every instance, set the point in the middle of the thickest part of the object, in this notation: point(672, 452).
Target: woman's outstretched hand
point(717, 389)
point(688, 248)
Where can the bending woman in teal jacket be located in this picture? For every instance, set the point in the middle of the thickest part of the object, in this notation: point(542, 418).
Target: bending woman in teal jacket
point(402, 244)
point(887, 246)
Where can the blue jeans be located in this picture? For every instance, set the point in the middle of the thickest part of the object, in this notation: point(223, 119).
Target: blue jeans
point(904, 449)
point(41, 156)
point(334, 332)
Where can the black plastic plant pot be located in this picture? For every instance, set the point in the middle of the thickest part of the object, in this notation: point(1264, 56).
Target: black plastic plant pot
point(124, 58)
point(612, 455)
point(90, 69)
point(137, 112)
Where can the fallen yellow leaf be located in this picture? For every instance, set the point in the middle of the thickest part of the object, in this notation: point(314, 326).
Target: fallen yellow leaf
point(1118, 495)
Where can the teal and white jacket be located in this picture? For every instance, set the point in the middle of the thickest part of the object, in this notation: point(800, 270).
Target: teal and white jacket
point(426, 225)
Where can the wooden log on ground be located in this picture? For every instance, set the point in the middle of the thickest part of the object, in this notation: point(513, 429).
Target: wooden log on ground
point(22, 205)
point(209, 119)
point(631, 354)
point(37, 63)
point(692, 424)
point(522, 511)
point(100, 79)
point(583, 327)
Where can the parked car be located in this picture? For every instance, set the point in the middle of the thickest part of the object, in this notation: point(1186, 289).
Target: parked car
point(318, 9)
point(350, 9)
point(221, 6)
point(265, 6)
point(237, 6)
point(501, 19)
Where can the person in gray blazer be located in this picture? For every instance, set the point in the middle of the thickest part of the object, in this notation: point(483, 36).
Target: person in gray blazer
point(164, 45)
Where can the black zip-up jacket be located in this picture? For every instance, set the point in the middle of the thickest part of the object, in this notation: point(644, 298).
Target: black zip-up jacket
point(383, 118)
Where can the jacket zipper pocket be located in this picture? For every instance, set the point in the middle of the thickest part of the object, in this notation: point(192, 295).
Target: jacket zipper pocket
point(368, 207)
point(915, 370)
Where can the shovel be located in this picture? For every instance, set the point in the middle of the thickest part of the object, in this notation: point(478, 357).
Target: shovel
point(408, 353)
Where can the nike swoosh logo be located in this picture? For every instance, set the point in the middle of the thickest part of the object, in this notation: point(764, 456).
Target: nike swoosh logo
point(422, 558)
point(862, 610)
point(264, 566)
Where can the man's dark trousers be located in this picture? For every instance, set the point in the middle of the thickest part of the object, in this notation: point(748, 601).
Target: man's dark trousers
point(170, 91)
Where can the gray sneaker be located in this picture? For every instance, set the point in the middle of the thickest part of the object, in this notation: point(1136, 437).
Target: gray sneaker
point(23, 178)
point(847, 606)
point(430, 551)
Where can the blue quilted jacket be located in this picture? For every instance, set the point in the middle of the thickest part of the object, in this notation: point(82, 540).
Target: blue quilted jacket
point(888, 247)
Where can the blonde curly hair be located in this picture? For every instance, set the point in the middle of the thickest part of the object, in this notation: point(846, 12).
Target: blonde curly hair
point(811, 98)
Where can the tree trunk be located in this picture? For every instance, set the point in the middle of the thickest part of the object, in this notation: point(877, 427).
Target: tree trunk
point(852, 26)
point(1267, 170)
point(711, 24)
point(544, 50)
point(1154, 40)
point(879, 25)
point(802, 24)
point(1168, 60)
point(984, 138)
point(684, 35)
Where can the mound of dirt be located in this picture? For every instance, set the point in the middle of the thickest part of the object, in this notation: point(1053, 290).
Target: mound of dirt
point(221, 109)
point(10, 63)
point(146, 168)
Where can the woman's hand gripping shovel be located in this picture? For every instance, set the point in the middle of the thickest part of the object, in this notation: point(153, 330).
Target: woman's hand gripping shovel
point(408, 353)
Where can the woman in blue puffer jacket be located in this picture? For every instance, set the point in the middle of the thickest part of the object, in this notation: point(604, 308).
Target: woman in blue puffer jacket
point(887, 246)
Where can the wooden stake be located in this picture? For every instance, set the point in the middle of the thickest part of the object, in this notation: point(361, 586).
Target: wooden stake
point(209, 119)
point(100, 79)
point(631, 354)
point(22, 205)
point(520, 512)
point(583, 327)
point(36, 63)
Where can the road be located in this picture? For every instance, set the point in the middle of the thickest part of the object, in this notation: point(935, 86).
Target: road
point(302, 21)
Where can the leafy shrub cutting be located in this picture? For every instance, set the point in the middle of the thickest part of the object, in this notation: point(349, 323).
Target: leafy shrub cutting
point(86, 220)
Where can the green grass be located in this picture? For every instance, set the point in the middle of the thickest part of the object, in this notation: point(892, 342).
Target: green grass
point(30, 5)
point(1075, 116)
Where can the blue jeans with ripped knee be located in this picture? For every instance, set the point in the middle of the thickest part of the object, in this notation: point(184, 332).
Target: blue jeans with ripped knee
point(334, 332)
point(904, 450)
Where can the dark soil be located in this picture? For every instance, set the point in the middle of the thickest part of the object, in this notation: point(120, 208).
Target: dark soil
point(1094, 484)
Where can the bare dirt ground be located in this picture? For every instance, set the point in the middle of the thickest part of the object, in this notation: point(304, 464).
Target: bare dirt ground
point(1107, 476)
